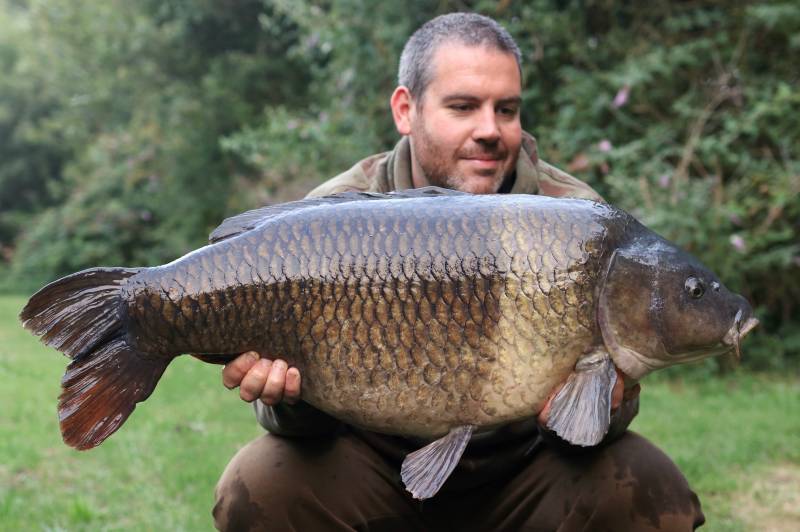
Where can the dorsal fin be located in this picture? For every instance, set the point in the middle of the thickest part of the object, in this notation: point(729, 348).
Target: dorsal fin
point(236, 225)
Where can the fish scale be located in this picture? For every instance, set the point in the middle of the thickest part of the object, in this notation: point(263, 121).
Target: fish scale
point(387, 264)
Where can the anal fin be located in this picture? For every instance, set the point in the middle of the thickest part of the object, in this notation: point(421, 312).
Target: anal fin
point(580, 413)
point(425, 470)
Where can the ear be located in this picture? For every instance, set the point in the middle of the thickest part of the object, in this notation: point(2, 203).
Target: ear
point(402, 107)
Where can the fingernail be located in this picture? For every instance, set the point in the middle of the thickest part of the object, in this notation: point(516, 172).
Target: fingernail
point(281, 364)
point(252, 355)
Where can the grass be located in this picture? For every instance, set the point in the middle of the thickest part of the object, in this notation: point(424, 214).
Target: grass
point(157, 473)
point(732, 437)
point(725, 434)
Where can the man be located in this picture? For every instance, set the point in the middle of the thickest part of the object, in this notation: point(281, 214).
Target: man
point(457, 107)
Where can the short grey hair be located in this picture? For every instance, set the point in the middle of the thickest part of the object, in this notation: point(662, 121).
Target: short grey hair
point(471, 29)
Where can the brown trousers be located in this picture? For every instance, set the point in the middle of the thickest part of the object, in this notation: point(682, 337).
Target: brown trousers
point(342, 483)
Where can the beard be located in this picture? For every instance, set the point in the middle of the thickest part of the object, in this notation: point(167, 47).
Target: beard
point(441, 168)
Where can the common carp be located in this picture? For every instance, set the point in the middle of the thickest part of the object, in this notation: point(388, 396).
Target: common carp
point(428, 313)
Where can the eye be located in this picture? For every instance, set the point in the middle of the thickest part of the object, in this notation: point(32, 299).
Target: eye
point(694, 287)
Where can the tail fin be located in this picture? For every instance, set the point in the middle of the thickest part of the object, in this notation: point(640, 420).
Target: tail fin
point(80, 315)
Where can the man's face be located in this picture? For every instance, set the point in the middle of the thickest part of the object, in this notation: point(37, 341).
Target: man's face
point(465, 130)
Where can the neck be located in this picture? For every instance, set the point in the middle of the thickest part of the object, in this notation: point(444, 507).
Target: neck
point(418, 177)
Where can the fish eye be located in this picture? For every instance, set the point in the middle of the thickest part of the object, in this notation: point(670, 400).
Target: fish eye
point(694, 287)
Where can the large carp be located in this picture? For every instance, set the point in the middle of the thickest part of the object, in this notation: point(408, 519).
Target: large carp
point(428, 313)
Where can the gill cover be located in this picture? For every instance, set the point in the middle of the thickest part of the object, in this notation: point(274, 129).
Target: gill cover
point(623, 317)
point(660, 306)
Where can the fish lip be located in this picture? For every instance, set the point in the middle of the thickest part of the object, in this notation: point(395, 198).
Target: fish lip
point(748, 326)
point(738, 330)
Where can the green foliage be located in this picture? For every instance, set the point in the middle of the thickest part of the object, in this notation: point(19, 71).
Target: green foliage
point(140, 101)
point(129, 129)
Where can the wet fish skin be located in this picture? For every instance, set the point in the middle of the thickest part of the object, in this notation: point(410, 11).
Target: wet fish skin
point(471, 316)
point(406, 313)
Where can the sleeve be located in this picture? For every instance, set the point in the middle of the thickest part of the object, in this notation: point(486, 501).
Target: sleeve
point(354, 179)
point(557, 183)
point(620, 420)
point(296, 420)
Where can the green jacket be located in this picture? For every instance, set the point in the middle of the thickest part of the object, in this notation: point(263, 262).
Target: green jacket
point(391, 170)
point(491, 454)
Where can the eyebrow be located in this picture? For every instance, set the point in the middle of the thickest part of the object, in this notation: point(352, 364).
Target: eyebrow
point(513, 100)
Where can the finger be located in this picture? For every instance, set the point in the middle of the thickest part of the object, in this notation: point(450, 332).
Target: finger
point(545, 412)
point(254, 380)
point(291, 392)
point(632, 392)
point(618, 392)
point(276, 383)
point(235, 370)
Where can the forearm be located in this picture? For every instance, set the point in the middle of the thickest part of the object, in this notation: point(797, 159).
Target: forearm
point(298, 420)
point(621, 418)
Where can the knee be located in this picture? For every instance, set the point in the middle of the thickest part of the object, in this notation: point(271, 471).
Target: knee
point(636, 478)
point(258, 485)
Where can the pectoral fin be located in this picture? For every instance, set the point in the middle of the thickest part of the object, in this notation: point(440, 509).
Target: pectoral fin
point(580, 413)
point(425, 471)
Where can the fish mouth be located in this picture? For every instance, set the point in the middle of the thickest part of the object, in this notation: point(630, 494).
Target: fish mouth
point(739, 330)
point(729, 343)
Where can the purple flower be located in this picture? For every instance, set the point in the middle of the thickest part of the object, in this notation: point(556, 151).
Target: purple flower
point(738, 243)
point(663, 180)
point(604, 146)
point(622, 96)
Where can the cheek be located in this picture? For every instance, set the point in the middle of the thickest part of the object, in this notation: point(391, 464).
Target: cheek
point(447, 132)
point(512, 137)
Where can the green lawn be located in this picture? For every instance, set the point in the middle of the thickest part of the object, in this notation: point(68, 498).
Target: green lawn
point(737, 440)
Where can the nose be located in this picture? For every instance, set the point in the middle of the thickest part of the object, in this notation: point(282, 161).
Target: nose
point(486, 129)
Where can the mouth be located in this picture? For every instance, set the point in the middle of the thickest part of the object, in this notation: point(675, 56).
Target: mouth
point(482, 161)
point(739, 330)
point(480, 156)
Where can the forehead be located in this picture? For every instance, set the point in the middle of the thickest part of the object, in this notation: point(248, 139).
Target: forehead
point(481, 70)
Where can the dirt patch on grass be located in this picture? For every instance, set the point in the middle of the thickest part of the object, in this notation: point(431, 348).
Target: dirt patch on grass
point(772, 501)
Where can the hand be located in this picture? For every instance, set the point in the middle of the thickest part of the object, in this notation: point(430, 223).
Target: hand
point(618, 394)
point(260, 378)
